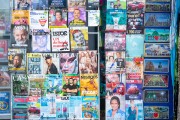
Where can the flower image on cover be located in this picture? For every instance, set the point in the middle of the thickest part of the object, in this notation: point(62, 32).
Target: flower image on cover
point(5, 22)
point(3, 50)
point(60, 39)
point(93, 17)
point(20, 17)
point(136, 6)
point(22, 4)
point(90, 107)
point(76, 3)
point(57, 3)
point(116, 4)
point(39, 4)
point(5, 100)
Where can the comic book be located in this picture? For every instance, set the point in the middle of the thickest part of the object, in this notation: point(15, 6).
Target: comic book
point(115, 100)
point(116, 4)
point(75, 108)
point(134, 109)
point(57, 3)
point(20, 84)
point(89, 84)
point(68, 63)
point(5, 79)
point(93, 17)
point(3, 50)
point(93, 4)
point(158, 7)
point(5, 22)
point(22, 4)
point(60, 39)
point(5, 100)
point(115, 84)
point(17, 59)
point(57, 18)
point(34, 63)
point(17, 32)
point(115, 41)
point(134, 90)
point(115, 61)
point(76, 3)
point(90, 107)
point(62, 108)
point(79, 38)
point(39, 4)
point(116, 20)
point(34, 107)
point(20, 17)
point(88, 62)
point(134, 45)
point(135, 24)
point(41, 40)
point(156, 35)
point(136, 6)
point(134, 68)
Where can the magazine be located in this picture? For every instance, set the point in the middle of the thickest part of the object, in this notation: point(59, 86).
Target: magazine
point(22, 4)
point(5, 21)
point(116, 4)
point(3, 50)
point(93, 4)
point(20, 17)
point(5, 100)
point(76, 3)
point(57, 3)
point(39, 4)
point(5, 79)
point(93, 17)
point(136, 6)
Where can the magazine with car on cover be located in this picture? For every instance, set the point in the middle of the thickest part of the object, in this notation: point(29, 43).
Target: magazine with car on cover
point(5, 100)
point(116, 4)
point(135, 6)
point(3, 50)
point(20, 17)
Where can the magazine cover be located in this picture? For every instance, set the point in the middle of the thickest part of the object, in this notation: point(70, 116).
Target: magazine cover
point(39, 4)
point(68, 63)
point(156, 80)
point(34, 108)
point(5, 100)
point(79, 38)
point(136, 6)
point(116, 4)
point(115, 84)
point(93, 4)
point(115, 41)
point(76, 3)
point(134, 110)
point(75, 108)
point(90, 107)
point(89, 84)
point(20, 17)
point(156, 65)
point(5, 21)
point(135, 24)
point(19, 35)
point(115, 103)
point(116, 20)
point(41, 40)
point(38, 19)
point(134, 45)
point(60, 39)
point(3, 50)
point(156, 35)
point(158, 7)
point(88, 62)
point(17, 59)
point(93, 17)
point(57, 18)
point(20, 84)
point(115, 62)
point(157, 20)
point(70, 85)
point(22, 4)
point(134, 68)
point(157, 50)
point(76, 16)
point(5, 79)
point(62, 108)
point(58, 3)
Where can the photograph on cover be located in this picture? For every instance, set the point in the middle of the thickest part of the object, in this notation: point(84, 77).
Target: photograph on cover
point(77, 3)
point(93, 4)
point(39, 4)
point(5, 79)
point(3, 50)
point(5, 20)
point(156, 65)
point(135, 6)
point(158, 7)
point(5, 99)
point(93, 17)
point(20, 17)
point(57, 3)
point(116, 4)
point(22, 4)
point(158, 1)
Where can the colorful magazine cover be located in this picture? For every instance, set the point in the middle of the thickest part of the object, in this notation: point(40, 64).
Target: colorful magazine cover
point(76, 3)
point(20, 17)
point(90, 107)
point(93, 4)
point(89, 85)
point(134, 110)
point(17, 59)
point(41, 40)
point(57, 18)
point(116, 4)
point(75, 109)
point(22, 4)
point(134, 45)
point(93, 17)
point(116, 20)
point(134, 90)
point(71, 85)
point(115, 41)
point(157, 50)
point(135, 6)
point(5, 100)
point(76, 16)
point(60, 39)
point(62, 108)
point(156, 35)
point(3, 50)
point(68, 63)
point(157, 20)
point(5, 22)
point(158, 7)
point(115, 62)
point(134, 68)
point(115, 103)
point(39, 4)
point(79, 38)
point(20, 35)
point(88, 62)
point(135, 24)
point(58, 3)
point(5, 79)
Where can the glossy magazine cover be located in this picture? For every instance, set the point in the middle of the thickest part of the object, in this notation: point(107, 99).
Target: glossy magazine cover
point(20, 17)
point(5, 101)
point(39, 4)
point(135, 6)
point(3, 50)
point(158, 7)
point(57, 3)
point(94, 18)
point(5, 21)
point(116, 4)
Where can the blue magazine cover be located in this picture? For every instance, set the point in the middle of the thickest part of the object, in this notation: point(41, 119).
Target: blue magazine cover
point(5, 102)
point(39, 4)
